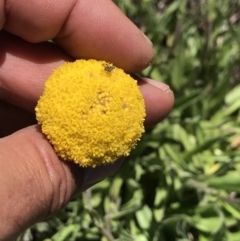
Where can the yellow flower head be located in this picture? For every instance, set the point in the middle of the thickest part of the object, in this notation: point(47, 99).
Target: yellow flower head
point(91, 112)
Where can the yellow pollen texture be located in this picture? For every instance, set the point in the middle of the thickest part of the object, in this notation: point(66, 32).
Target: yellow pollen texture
point(91, 112)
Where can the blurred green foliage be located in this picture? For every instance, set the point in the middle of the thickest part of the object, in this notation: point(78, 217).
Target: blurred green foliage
point(182, 182)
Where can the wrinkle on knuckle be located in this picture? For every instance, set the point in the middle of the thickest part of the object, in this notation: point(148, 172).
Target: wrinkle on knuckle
point(54, 179)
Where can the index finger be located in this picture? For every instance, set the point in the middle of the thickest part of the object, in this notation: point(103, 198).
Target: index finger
point(84, 29)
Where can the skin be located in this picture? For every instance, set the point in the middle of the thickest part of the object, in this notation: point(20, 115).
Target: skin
point(34, 183)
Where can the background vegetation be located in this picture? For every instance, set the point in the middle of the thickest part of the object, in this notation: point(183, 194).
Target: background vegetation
point(182, 182)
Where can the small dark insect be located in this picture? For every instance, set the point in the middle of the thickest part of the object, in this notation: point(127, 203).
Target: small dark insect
point(109, 68)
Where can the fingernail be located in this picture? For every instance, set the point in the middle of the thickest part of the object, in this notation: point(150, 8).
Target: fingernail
point(94, 175)
point(147, 39)
point(164, 87)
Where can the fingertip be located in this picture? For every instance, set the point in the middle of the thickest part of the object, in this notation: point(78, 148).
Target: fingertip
point(159, 100)
point(105, 33)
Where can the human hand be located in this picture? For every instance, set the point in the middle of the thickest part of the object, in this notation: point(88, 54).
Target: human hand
point(34, 183)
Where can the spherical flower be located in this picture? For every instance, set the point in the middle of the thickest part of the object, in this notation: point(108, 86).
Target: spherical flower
point(91, 112)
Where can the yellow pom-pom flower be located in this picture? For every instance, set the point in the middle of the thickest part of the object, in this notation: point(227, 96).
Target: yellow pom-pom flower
point(91, 112)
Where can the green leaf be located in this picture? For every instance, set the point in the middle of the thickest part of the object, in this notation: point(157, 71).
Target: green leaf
point(209, 224)
point(158, 214)
point(116, 187)
point(144, 217)
point(65, 232)
point(229, 182)
point(232, 210)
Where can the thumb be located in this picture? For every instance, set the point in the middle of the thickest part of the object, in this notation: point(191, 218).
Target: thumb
point(34, 183)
